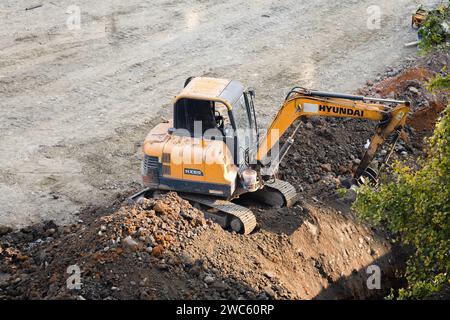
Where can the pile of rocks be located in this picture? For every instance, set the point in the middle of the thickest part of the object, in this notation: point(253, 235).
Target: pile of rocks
point(34, 260)
point(151, 225)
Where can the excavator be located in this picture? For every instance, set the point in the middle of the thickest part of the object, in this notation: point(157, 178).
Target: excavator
point(211, 152)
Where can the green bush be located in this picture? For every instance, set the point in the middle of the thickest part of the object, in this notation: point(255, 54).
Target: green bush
point(440, 82)
point(415, 208)
point(434, 31)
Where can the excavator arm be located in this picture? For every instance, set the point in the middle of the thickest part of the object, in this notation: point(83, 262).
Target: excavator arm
point(300, 102)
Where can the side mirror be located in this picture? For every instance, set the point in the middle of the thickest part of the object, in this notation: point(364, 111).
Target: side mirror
point(251, 91)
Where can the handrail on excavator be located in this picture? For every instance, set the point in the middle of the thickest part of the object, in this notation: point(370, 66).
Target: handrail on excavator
point(325, 94)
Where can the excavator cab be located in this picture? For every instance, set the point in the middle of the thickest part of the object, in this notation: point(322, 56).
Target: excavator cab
point(207, 144)
point(228, 115)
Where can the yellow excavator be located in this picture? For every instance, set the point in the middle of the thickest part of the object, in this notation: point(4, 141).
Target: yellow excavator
point(211, 151)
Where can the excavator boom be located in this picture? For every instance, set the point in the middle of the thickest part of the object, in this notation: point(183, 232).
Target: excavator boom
point(390, 114)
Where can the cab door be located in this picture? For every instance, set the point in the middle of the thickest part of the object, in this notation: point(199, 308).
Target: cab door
point(245, 131)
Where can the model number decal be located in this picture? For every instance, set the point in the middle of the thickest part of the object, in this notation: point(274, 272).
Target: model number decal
point(193, 172)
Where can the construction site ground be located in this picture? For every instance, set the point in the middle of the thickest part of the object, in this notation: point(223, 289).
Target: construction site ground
point(75, 110)
point(77, 104)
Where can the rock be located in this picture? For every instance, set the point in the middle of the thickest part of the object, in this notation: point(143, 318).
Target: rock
point(356, 161)
point(185, 215)
point(279, 289)
point(404, 153)
point(144, 295)
point(102, 228)
point(150, 240)
point(350, 196)
point(269, 274)
point(269, 292)
point(399, 148)
point(326, 167)
point(4, 278)
point(326, 133)
point(4, 230)
point(187, 261)
point(343, 169)
point(209, 279)
point(220, 286)
point(162, 265)
point(145, 203)
point(309, 126)
point(312, 228)
point(413, 90)
point(160, 207)
point(157, 251)
point(129, 243)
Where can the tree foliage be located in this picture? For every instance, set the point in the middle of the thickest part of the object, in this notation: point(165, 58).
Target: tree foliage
point(435, 29)
point(415, 208)
point(440, 82)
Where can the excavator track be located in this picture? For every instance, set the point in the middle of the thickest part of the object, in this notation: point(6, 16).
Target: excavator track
point(277, 193)
point(228, 214)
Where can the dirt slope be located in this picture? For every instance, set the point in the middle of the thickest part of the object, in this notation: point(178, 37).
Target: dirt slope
point(165, 249)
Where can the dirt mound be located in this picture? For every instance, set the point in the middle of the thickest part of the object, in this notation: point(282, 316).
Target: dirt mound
point(410, 85)
point(390, 86)
point(165, 249)
point(328, 149)
point(36, 258)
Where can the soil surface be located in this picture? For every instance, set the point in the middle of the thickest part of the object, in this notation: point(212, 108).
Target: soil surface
point(77, 104)
point(165, 249)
